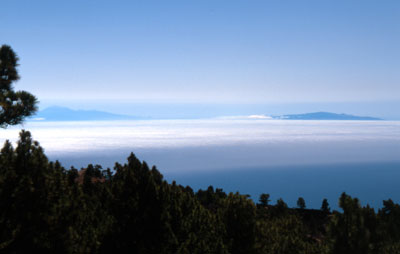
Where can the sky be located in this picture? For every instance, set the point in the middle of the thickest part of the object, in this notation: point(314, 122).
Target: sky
point(289, 55)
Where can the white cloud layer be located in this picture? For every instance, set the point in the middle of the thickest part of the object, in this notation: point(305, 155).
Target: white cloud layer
point(218, 143)
point(58, 137)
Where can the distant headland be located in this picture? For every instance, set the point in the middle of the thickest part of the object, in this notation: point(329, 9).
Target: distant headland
point(56, 113)
point(324, 116)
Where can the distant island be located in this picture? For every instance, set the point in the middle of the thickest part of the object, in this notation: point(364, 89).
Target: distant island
point(324, 116)
point(57, 113)
point(65, 114)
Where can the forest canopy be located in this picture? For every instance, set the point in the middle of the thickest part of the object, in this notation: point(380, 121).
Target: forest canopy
point(131, 208)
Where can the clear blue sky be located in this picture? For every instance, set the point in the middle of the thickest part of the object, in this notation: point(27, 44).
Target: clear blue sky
point(198, 51)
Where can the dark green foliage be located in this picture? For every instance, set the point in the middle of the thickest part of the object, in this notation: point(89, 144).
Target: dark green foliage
point(285, 235)
point(33, 199)
point(389, 227)
point(140, 208)
point(325, 206)
point(301, 203)
point(14, 106)
point(280, 208)
point(353, 231)
point(212, 200)
point(264, 200)
point(132, 209)
point(284, 230)
point(239, 216)
point(198, 230)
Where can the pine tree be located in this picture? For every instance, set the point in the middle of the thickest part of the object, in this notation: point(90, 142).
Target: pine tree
point(264, 200)
point(14, 106)
point(349, 231)
point(325, 206)
point(301, 203)
point(239, 215)
point(33, 199)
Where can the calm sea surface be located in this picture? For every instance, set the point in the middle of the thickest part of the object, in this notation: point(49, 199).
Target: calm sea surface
point(288, 159)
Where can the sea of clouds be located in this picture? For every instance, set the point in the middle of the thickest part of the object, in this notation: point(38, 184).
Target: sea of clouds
point(286, 158)
point(216, 143)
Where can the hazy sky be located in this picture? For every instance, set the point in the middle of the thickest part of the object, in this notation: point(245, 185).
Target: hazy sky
point(206, 51)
